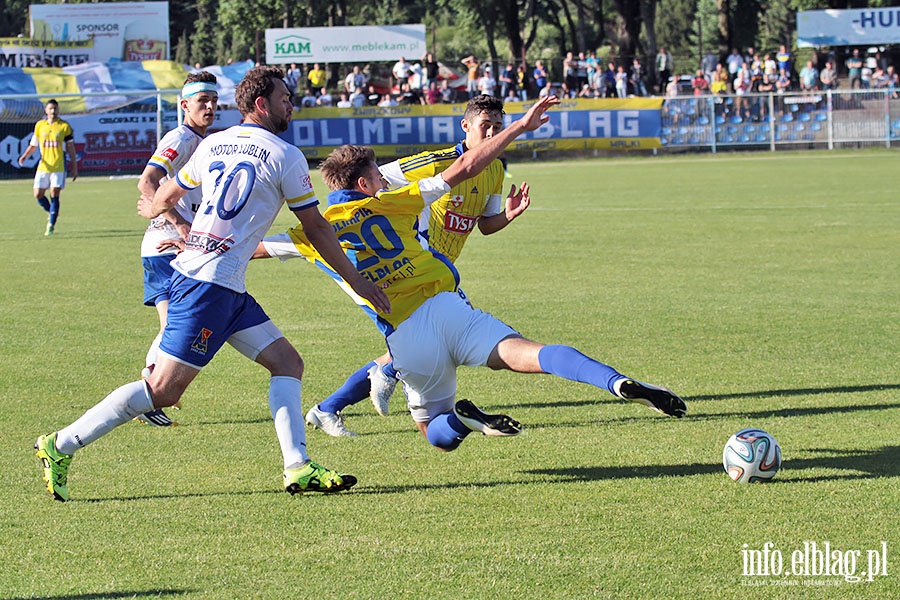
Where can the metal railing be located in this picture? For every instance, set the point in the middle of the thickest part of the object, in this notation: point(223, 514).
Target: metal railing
point(829, 119)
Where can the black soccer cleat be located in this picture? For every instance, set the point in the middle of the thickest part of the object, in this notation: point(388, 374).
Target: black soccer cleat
point(477, 420)
point(658, 398)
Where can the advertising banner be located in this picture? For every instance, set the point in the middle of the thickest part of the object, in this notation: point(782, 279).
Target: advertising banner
point(344, 44)
point(123, 142)
point(104, 143)
point(859, 27)
point(121, 30)
point(25, 53)
point(628, 124)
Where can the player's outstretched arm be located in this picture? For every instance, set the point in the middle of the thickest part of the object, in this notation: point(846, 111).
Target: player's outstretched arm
point(475, 160)
point(321, 235)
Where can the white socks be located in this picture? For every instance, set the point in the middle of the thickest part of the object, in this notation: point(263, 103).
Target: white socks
point(122, 405)
point(284, 403)
point(133, 399)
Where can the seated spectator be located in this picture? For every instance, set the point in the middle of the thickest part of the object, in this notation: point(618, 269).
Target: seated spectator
point(433, 94)
point(308, 100)
point(547, 90)
point(357, 98)
point(372, 96)
point(324, 98)
point(344, 102)
point(387, 100)
point(410, 95)
point(448, 94)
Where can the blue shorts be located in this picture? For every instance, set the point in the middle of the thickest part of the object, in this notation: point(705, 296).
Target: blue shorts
point(202, 316)
point(157, 270)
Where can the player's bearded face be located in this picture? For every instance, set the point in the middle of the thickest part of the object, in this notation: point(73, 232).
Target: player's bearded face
point(280, 108)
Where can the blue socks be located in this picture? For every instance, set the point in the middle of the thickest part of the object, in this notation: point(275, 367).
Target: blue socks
point(54, 210)
point(44, 203)
point(569, 363)
point(389, 370)
point(446, 431)
point(355, 389)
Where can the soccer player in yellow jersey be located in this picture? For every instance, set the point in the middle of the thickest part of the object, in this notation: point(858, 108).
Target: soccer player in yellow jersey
point(51, 135)
point(433, 328)
point(446, 224)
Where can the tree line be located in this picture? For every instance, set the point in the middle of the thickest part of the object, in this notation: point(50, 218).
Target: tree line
point(219, 31)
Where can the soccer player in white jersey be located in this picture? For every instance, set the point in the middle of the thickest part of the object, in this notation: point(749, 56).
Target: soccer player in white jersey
point(475, 203)
point(165, 234)
point(246, 174)
point(432, 328)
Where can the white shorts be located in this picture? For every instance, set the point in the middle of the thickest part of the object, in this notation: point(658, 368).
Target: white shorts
point(442, 334)
point(46, 181)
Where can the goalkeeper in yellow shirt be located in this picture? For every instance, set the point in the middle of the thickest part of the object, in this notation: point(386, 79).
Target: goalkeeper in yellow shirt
point(51, 135)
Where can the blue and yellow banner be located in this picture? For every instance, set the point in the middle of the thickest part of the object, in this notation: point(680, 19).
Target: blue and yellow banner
point(585, 124)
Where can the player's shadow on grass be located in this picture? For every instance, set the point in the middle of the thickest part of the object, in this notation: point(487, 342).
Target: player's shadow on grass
point(841, 389)
point(600, 399)
point(807, 411)
point(112, 595)
point(860, 464)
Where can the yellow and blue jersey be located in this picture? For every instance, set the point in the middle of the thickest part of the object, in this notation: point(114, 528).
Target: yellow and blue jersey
point(51, 138)
point(380, 237)
point(454, 216)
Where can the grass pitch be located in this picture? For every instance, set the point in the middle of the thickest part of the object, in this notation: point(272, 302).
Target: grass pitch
point(763, 288)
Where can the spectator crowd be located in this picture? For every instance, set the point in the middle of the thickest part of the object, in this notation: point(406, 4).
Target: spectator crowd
point(584, 75)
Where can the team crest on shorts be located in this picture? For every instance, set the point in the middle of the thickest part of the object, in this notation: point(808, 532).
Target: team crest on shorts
point(200, 342)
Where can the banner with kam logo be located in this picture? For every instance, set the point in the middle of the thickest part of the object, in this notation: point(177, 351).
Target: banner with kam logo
point(344, 44)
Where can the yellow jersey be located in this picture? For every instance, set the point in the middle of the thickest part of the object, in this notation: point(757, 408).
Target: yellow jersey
point(51, 138)
point(316, 78)
point(380, 237)
point(454, 216)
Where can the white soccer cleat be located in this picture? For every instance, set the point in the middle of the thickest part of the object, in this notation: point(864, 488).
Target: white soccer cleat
point(381, 388)
point(330, 423)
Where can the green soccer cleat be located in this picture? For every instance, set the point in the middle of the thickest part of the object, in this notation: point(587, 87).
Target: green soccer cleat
point(313, 477)
point(56, 466)
point(50, 229)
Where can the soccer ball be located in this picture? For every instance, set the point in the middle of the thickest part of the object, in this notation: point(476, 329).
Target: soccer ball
point(751, 455)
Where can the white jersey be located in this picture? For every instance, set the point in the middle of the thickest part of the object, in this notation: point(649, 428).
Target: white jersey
point(172, 153)
point(246, 173)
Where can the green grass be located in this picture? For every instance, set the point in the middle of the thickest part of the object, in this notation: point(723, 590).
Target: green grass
point(763, 288)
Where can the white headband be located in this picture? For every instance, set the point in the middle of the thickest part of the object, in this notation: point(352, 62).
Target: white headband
point(195, 87)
